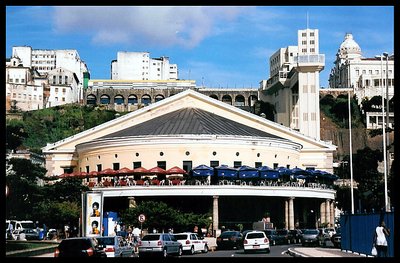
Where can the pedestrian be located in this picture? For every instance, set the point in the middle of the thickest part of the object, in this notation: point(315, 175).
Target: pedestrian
point(66, 231)
point(380, 239)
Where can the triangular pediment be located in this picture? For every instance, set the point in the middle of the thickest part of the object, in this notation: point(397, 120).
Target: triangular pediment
point(188, 112)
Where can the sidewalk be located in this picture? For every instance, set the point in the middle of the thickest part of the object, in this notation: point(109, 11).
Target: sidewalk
point(321, 252)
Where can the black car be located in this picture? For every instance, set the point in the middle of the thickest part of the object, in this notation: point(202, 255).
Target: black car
point(337, 238)
point(282, 236)
point(271, 234)
point(79, 247)
point(230, 240)
point(295, 236)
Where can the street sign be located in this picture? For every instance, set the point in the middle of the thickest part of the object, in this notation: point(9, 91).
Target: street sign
point(142, 218)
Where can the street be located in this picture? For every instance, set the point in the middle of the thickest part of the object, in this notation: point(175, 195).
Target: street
point(276, 251)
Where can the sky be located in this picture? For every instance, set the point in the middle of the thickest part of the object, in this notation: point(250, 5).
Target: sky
point(217, 46)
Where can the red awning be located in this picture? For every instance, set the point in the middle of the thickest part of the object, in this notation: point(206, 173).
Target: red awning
point(176, 170)
point(108, 171)
point(140, 171)
point(125, 171)
point(157, 170)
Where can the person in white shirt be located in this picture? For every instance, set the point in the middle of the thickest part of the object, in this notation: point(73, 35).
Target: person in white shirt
point(380, 240)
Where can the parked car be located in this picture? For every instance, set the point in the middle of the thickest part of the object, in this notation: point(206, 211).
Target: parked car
point(282, 236)
point(337, 238)
point(331, 231)
point(323, 237)
point(192, 243)
point(28, 234)
point(295, 236)
point(163, 244)
point(115, 246)
point(79, 247)
point(310, 237)
point(271, 235)
point(230, 240)
point(255, 241)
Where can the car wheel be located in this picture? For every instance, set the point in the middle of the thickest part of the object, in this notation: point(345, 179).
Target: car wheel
point(192, 250)
point(165, 254)
point(205, 249)
point(180, 251)
point(273, 242)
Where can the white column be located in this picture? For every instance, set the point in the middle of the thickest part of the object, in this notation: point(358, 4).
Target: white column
point(291, 213)
point(215, 213)
point(327, 212)
point(286, 214)
point(322, 213)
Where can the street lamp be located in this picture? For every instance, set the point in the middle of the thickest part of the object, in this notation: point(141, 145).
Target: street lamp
point(385, 54)
point(387, 204)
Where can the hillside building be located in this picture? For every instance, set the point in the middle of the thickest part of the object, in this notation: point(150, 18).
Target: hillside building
point(139, 66)
point(40, 78)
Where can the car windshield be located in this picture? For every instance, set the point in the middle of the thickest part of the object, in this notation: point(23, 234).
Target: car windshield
point(282, 232)
point(270, 232)
point(179, 237)
point(105, 240)
point(229, 234)
point(151, 237)
point(311, 232)
point(255, 235)
point(27, 225)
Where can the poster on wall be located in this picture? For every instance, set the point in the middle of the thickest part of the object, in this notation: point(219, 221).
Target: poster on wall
point(93, 214)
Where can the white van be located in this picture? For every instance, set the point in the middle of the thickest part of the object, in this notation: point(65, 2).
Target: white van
point(18, 226)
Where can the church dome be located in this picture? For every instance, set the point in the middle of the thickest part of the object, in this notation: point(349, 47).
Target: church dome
point(349, 46)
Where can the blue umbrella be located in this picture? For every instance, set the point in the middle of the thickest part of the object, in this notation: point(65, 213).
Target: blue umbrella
point(247, 172)
point(226, 172)
point(202, 170)
point(297, 171)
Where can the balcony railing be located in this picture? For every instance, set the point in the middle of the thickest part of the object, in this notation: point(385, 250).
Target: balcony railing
point(310, 59)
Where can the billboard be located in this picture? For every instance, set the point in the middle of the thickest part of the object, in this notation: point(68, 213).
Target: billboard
point(93, 214)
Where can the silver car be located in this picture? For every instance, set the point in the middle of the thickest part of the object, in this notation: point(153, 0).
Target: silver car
point(162, 244)
point(115, 246)
point(310, 237)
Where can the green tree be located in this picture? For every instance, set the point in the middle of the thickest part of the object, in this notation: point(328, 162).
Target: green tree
point(15, 134)
point(22, 180)
point(162, 217)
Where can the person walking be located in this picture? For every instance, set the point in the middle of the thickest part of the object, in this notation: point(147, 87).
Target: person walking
point(380, 239)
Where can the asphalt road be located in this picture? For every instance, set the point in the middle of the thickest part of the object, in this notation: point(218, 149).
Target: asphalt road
point(276, 251)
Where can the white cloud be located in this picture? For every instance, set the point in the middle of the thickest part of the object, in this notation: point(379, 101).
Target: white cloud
point(167, 25)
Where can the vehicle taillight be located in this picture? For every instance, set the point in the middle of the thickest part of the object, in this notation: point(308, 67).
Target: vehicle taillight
point(90, 252)
point(266, 240)
point(139, 243)
point(187, 242)
point(245, 241)
point(56, 253)
point(159, 243)
point(109, 249)
point(218, 239)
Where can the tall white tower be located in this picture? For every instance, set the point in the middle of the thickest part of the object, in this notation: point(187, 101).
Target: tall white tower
point(308, 65)
point(293, 86)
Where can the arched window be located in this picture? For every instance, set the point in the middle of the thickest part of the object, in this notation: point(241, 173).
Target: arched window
point(146, 100)
point(214, 96)
point(227, 99)
point(104, 99)
point(118, 99)
point(159, 97)
point(91, 99)
point(239, 101)
point(132, 99)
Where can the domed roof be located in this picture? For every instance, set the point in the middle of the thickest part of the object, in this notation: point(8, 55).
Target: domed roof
point(349, 46)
